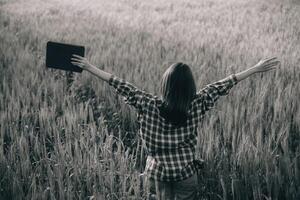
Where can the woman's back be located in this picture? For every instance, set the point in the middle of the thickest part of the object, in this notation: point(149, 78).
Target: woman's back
point(171, 148)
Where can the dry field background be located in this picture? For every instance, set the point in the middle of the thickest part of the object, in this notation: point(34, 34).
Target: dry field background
point(65, 137)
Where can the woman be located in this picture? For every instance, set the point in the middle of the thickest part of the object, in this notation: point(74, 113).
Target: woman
point(168, 125)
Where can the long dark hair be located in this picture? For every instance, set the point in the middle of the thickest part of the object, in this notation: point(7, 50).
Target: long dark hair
point(177, 90)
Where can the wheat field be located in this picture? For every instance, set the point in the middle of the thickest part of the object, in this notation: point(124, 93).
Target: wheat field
point(69, 136)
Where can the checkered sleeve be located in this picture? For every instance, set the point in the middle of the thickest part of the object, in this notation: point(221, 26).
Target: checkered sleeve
point(131, 94)
point(207, 96)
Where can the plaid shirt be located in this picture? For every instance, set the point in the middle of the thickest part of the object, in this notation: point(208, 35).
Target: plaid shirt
point(171, 149)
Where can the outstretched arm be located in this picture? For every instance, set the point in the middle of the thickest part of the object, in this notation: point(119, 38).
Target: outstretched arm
point(132, 95)
point(262, 66)
point(207, 96)
point(83, 63)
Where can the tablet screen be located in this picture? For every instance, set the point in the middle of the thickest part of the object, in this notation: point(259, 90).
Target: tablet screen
point(58, 56)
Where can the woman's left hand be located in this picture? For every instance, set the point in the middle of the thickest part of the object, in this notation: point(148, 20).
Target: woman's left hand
point(266, 65)
point(81, 62)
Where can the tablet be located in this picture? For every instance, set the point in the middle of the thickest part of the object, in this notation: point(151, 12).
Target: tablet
point(58, 56)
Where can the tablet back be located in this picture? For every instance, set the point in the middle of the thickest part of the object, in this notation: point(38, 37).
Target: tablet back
point(58, 56)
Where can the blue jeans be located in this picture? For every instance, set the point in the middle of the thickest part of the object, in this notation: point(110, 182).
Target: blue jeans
point(162, 190)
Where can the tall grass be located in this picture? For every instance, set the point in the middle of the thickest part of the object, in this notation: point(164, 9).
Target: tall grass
point(68, 137)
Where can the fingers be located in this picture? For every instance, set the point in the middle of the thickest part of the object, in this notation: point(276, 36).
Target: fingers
point(270, 62)
point(270, 59)
point(272, 66)
point(77, 56)
point(79, 60)
point(267, 68)
point(274, 63)
point(77, 64)
point(75, 59)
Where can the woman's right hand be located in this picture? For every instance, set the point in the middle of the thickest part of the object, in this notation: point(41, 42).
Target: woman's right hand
point(265, 65)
